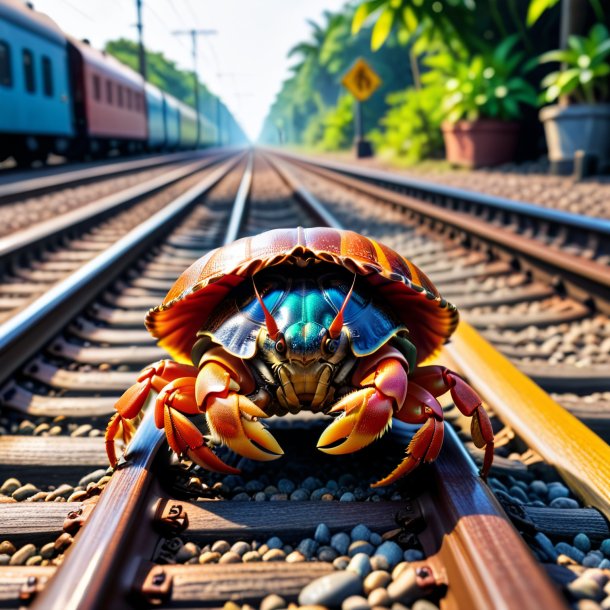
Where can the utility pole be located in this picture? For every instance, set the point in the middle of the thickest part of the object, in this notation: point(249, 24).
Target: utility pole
point(142, 54)
point(193, 34)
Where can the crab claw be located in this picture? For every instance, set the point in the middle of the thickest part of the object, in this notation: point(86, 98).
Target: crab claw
point(367, 415)
point(235, 420)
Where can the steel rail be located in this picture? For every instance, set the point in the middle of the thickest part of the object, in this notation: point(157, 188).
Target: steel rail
point(27, 185)
point(484, 556)
point(22, 335)
point(585, 278)
point(98, 571)
point(25, 241)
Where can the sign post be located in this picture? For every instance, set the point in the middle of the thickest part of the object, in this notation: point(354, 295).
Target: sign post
point(361, 81)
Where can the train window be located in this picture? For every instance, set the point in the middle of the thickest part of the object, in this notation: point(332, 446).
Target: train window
point(28, 71)
point(47, 76)
point(129, 98)
point(109, 91)
point(120, 95)
point(97, 88)
point(6, 76)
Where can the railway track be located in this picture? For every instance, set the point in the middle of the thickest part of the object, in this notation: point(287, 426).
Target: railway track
point(160, 534)
point(552, 322)
point(37, 257)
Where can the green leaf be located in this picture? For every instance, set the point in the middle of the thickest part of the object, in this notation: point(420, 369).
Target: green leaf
point(563, 55)
point(578, 44)
point(382, 29)
point(409, 19)
point(362, 12)
point(504, 48)
point(536, 8)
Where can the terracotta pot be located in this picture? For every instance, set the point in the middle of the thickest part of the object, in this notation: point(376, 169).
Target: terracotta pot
point(480, 143)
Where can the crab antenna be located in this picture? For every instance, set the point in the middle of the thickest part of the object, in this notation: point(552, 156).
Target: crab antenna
point(334, 330)
point(270, 323)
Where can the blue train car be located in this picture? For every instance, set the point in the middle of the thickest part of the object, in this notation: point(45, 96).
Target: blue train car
point(208, 135)
point(171, 114)
point(188, 126)
point(36, 115)
point(156, 117)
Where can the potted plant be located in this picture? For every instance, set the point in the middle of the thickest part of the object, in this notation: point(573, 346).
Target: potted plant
point(580, 121)
point(482, 103)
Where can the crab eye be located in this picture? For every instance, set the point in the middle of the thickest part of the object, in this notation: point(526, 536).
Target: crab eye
point(331, 345)
point(280, 345)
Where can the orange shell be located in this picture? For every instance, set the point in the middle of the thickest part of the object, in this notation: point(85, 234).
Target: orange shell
point(415, 300)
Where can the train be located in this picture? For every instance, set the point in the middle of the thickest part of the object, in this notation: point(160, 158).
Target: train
point(60, 95)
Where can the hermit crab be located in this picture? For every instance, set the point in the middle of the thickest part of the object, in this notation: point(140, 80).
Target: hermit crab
point(319, 319)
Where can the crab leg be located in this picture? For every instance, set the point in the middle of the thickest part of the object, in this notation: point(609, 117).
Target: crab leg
point(367, 412)
point(129, 405)
point(438, 380)
point(420, 406)
point(230, 415)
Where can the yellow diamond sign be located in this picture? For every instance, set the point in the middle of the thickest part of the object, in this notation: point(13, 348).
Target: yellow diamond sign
point(361, 80)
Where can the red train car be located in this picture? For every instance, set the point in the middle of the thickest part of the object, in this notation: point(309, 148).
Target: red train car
point(109, 101)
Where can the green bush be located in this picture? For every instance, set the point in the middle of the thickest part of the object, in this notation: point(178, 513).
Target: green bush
point(411, 127)
point(334, 130)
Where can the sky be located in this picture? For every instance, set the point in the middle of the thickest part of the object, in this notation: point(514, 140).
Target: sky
point(244, 62)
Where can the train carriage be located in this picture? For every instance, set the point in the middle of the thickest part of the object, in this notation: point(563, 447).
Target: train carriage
point(171, 114)
point(188, 126)
point(156, 117)
point(35, 99)
point(109, 101)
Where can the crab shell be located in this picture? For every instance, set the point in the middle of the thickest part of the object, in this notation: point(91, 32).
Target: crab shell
point(412, 296)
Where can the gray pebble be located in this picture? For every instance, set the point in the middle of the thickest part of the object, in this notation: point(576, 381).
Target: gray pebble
point(4, 559)
point(360, 532)
point(230, 557)
point(604, 547)
point(592, 559)
point(270, 490)
point(340, 542)
point(251, 557)
point(404, 589)
point(295, 557)
point(546, 546)
point(254, 486)
point(375, 580)
point(241, 497)
point(275, 543)
point(378, 562)
point(92, 477)
point(557, 490)
point(585, 588)
point(278, 497)
point(82, 430)
point(379, 597)
point(517, 492)
point(327, 553)
point(26, 491)
point(311, 483)
point(341, 563)
point(186, 552)
point(221, 546)
point(299, 495)
point(209, 557)
point(274, 555)
point(241, 548)
point(273, 602)
point(9, 486)
point(424, 604)
point(348, 496)
point(322, 534)
point(308, 547)
point(7, 547)
point(564, 503)
point(375, 539)
point(317, 494)
point(330, 590)
point(260, 496)
point(360, 546)
point(48, 550)
point(285, 486)
point(604, 564)
point(355, 602)
point(572, 552)
point(360, 564)
point(63, 491)
point(413, 555)
point(539, 487)
point(22, 555)
point(391, 551)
